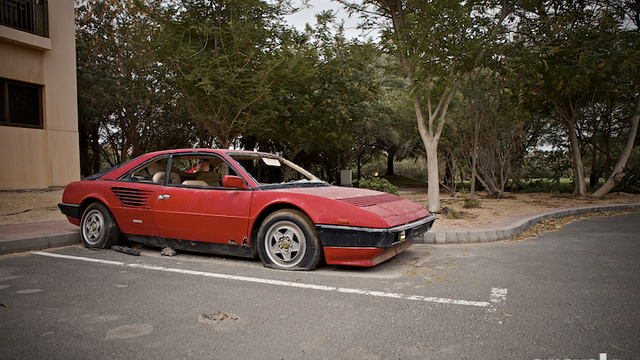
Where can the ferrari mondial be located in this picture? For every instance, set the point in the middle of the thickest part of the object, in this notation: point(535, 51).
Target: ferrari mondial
point(241, 203)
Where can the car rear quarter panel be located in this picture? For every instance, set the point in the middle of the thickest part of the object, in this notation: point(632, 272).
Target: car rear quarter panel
point(84, 193)
point(81, 192)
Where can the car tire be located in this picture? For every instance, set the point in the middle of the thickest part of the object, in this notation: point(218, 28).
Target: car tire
point(287, 240)
point(98, 228)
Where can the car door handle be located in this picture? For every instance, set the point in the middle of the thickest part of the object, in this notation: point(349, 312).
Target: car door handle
point(163, 196)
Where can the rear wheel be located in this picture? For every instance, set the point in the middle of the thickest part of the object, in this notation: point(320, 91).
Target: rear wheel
point(287, 240)
point(98, 229)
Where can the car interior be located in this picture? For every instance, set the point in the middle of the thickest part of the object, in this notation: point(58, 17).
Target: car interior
point(192, 170)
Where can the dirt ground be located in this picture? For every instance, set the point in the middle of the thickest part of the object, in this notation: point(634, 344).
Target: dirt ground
point(24, 206)
point(455, 215)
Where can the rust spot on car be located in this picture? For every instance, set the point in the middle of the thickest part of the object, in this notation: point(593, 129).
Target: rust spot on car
point(232, 242)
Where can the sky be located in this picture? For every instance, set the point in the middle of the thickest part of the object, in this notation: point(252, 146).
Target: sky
point(299, 19)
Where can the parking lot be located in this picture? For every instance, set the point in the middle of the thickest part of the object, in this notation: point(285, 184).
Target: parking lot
point(569, 294)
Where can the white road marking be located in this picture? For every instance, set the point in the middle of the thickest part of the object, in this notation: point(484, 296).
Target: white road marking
point(498, 295)
point(108, 262)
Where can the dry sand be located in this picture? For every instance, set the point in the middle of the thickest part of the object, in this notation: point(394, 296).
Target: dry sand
point(491, 209)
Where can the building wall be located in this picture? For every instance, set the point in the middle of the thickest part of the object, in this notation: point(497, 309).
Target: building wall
point(38, 158)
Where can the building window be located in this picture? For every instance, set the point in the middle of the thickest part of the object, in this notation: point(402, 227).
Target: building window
point(27, 15)
point(20, 104)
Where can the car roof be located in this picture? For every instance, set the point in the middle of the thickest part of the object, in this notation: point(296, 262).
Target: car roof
point(119, 170)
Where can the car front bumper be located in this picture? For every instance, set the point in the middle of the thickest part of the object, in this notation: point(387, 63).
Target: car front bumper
point(347, 245)
point(354, 256)
point(353, 236)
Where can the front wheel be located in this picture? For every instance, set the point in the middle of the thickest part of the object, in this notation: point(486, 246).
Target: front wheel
point(98, 228)
point(287, 240)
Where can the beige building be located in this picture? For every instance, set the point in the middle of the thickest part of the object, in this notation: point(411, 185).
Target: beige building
point(38, 98)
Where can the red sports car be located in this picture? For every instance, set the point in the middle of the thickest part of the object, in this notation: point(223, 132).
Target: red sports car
point(241, 203)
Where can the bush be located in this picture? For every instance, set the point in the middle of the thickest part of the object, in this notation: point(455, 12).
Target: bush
point(630, 183)
point(544, 185)
point(415, 168)
point(379, 184)
point(470, 203)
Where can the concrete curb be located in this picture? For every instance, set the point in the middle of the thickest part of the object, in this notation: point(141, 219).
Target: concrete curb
point(508, 228)
point(39, 242)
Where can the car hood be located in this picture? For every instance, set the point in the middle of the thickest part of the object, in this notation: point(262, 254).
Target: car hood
point(393, 209)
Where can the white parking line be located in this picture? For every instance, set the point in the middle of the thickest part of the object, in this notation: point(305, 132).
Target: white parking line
point(498, 295)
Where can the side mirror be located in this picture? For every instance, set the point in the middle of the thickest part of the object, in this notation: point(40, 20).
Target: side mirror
point(234, 182)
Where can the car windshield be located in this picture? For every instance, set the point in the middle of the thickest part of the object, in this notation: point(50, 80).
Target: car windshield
point(273, 171)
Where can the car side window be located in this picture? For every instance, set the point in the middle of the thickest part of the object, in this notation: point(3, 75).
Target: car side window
point(199, 171)
point(152, 172)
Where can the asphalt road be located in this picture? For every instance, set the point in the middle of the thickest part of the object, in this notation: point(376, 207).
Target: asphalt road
point(569, 294)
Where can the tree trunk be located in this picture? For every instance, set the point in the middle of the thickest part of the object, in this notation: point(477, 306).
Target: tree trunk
point(433, 188)
point(593, 177)
point(450, 174)
point(474, 154)
point(618, 171)
point(578, 166)
point(474, 173)
point(391, 153)
point(85, 161)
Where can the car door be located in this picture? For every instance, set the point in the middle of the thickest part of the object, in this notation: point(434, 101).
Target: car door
point(134, 216)
point(134, 193)
point(210, 213)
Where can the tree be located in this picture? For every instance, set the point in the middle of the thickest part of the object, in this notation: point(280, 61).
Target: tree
point(95, 84)
point(488, 132)
point(397, 132)
point(327, 102)
point(568, 55)
point(127, 104)
point(226, 57)
point(438, 44)
point(630, 63)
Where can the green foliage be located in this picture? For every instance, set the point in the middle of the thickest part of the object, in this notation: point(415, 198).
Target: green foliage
point(571, 57)
point(543, 185)
point(217, 73)
point(551, 165)
point(379, 184)
point(126, 100)
point(452, 213)
point(227, 57)
point(536, 185)
point(415, 168)
point(630, 183)
point(470, 203)
point(486, 122)
point(404, 182)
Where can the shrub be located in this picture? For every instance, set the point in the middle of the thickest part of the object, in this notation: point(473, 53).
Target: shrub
point(630, 183)
point(468, 202)
point(379, 184)
point(415, 168)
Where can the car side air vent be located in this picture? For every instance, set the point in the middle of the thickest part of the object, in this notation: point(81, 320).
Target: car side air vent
point(365, 201)
point(132, 197)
